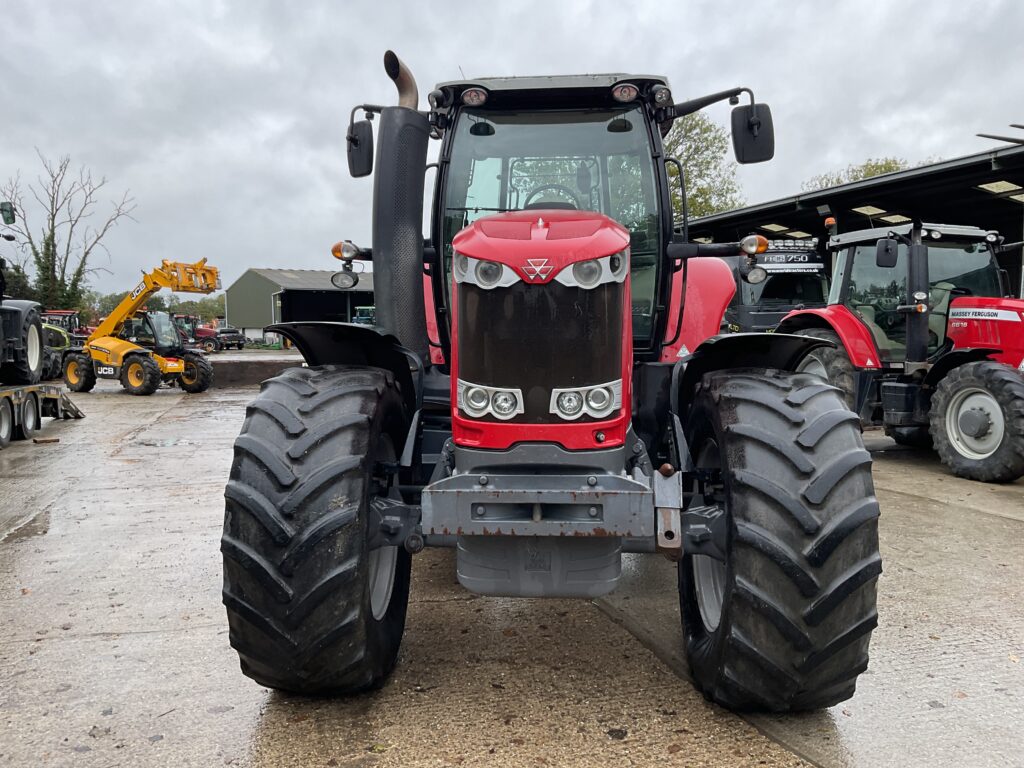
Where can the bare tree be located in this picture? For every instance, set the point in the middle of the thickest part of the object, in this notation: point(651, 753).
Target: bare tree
point(61, 249)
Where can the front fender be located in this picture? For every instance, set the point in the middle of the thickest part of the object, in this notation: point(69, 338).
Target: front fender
point(955, 359)
point(851, 330)
point(737, 350)
point(324, 342)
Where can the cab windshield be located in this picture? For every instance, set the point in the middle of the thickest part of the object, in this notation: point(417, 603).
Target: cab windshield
point(163, 328)
point(595, 160)
point(786, 289)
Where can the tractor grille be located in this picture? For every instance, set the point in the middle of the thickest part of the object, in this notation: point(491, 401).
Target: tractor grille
point(537, 338)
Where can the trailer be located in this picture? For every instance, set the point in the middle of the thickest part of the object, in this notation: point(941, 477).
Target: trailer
point(22, 409)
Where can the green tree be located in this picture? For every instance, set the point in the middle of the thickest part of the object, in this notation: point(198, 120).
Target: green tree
point(61, 249)
point(703, 148)
point(17, 283)
point(873, 166)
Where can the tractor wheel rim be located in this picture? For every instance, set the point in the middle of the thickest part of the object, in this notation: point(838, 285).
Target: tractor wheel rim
point(135, 376)
point(34, 349)
point(967, 405)
point(189, 375)
point(72, 372)
point(709, 574)
point(28, 416)
point(811, 364)
point(382, 562)
point(6, 422)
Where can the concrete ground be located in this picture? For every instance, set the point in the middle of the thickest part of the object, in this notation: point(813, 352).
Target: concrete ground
point(113, 640)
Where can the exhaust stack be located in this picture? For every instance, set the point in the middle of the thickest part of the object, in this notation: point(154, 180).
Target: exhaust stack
point(402, 137)
point(408, 95)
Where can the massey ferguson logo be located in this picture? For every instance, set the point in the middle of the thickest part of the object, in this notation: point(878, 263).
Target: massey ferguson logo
point(537, 269)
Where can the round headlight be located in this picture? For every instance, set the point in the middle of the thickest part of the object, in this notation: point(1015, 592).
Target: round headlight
point(488, 273)
point(617, 263)
point(936, 234)
point(587, 273)
point(598, 399)
point(461, 265)
point(756, 275)
point(503, 403)
point(569, 403)
point(476, 399)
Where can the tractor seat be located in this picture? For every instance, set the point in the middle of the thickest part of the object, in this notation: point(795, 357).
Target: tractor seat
point(889, 349)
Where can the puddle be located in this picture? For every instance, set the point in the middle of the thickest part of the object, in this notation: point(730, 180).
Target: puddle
point(34, 526)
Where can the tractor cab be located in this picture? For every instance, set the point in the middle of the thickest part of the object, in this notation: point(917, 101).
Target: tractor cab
point(794, 277)
point(929, 265)
point(154, 330)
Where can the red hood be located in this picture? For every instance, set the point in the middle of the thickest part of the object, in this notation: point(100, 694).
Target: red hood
point(559, 237)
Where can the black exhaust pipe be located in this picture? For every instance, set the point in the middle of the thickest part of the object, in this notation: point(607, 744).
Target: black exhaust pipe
point(402, 137)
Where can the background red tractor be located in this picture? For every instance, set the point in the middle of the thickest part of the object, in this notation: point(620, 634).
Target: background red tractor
point(927, 342)
point(571, 404)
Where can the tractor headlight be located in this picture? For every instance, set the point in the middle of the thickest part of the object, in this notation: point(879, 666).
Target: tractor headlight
point(569, 404)
point(488, 273)
point(476, 400)
point(756, 275)
point(598, 401)
point(461, 265)
point(587, 273)
point(504, 403)
point(479, 401)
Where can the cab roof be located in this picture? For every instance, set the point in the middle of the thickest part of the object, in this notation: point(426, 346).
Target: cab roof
point(551, 91)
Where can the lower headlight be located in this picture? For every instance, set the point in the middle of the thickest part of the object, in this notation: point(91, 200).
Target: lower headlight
point(587, 273)
point(599, 399)
point(477, 399)
point(570, 403)
point(504, 404)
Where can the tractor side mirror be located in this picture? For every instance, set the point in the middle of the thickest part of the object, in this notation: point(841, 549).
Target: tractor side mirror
point(7, 211)
point(360, 148)
point(886, 253)
point(753, 133)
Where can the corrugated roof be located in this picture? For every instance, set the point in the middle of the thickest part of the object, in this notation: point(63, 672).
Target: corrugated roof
point(310, 279)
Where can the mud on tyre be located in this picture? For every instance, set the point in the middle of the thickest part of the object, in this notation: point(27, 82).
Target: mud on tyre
point(784, 623)
point(311, 609)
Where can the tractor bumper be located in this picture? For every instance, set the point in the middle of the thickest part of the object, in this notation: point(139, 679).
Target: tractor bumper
point(539, 521)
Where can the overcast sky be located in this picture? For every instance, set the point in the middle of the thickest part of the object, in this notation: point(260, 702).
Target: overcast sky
point(226, 120)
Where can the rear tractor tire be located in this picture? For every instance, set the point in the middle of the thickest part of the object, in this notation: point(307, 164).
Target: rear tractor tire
point(79, 375)
point(312, 609)
point(210, 346)
point(784, 622)
point(977, 422)
point(830, 363)
point(198, 373)
point(140, 375)
point(28, 367)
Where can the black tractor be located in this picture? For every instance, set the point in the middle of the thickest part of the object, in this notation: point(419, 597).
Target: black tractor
point(21, 330)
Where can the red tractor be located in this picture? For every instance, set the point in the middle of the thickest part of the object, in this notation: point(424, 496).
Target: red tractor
point(557, 397)
point(192, 331)
point(927, 343)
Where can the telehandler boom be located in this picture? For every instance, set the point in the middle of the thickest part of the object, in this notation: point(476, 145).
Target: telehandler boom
point(143, 349)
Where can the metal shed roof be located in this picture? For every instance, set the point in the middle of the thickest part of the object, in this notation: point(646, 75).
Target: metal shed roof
point(311, 279)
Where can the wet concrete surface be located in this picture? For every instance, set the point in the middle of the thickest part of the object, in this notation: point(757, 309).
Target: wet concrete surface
point(113, 640)
point(945, 685)
point(114, 650)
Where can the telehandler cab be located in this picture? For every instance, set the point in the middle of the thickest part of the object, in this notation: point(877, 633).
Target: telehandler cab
point(553, 396)
point(927, 343)
point(143, 349)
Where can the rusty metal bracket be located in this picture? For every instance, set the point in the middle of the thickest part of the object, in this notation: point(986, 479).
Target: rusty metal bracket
point(393, 523)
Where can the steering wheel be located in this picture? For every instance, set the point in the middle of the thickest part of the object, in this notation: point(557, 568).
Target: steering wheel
point(553, 188)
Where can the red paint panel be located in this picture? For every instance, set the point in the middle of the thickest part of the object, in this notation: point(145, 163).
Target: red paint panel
point(436, 354)
point(978, 321)
point(706, 292)
point(855, 336)
point(561, 237)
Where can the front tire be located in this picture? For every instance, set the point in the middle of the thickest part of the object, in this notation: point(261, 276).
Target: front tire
point(140, 375)
point(310, 608)
point(79, 374)
point(830, 363)
point(977, 422)
point(198, 374)
point(784, 623)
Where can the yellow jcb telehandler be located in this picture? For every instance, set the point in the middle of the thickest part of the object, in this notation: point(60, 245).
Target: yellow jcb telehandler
point(143, 349)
